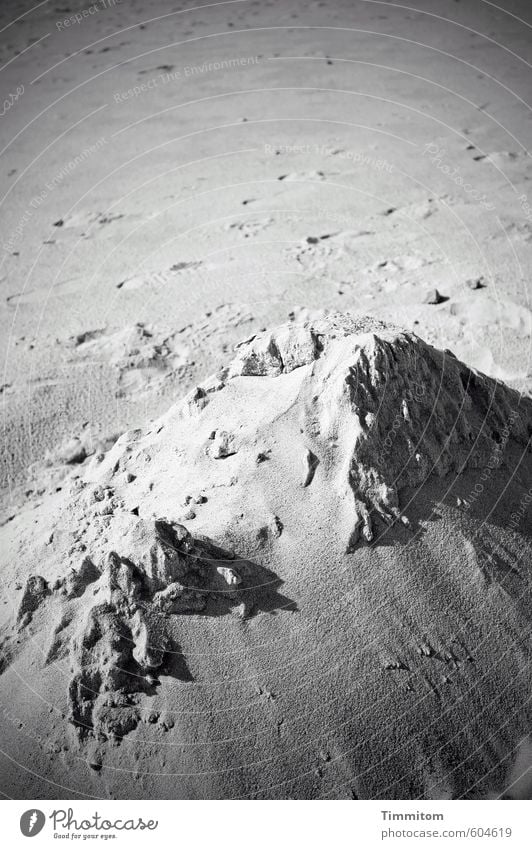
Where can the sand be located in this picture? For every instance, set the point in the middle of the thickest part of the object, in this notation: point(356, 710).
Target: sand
point(301, 581)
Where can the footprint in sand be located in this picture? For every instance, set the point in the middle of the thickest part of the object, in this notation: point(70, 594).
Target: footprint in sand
point(87, 223)
point(302, 176)
point(157, 279)
point(142, 355)
point(248, 229)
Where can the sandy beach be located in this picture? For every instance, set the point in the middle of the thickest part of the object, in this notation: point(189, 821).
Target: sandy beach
point(180, 180)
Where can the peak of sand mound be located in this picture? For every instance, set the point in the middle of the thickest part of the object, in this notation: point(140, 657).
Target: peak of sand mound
point(356, 465)
point(380, 409)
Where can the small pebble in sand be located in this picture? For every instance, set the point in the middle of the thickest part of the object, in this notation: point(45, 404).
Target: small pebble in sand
point(72, 451)
point(275, 527)
point(223, 445)
point(194, 499)
point(475, 283)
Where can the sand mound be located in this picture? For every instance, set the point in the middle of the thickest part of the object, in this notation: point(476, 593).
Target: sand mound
point(371, 474)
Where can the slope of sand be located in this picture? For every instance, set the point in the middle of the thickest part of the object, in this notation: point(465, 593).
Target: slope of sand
point(306, 580)
point(199, 169)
